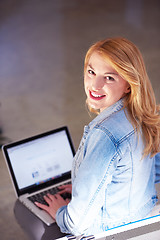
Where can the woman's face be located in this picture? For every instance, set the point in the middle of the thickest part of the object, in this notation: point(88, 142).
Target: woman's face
point(103, 85)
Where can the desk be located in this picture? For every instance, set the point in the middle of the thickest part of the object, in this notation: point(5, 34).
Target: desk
point(37, 230)
point(33, 226)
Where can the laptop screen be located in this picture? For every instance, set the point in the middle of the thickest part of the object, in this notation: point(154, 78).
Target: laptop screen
point(41, 159)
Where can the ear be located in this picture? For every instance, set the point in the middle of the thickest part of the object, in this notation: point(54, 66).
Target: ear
point(128, 89)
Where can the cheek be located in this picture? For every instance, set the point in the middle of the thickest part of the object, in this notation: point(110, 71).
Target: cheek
point(85, 85)
point(121, 87)
point(115, 91)
point(86, 82)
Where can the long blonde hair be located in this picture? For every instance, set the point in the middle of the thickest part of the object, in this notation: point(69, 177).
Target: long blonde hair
point(127, 60)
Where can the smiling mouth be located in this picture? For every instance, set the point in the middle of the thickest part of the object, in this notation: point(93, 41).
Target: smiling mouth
point(95, 96)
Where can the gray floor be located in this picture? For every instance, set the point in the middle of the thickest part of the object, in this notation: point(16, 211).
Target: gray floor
point(42, 47)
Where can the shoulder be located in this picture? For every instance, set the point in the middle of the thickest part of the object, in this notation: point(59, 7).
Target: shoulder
point(117, 126)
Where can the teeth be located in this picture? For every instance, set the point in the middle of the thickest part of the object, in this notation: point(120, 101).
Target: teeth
point(95, 95)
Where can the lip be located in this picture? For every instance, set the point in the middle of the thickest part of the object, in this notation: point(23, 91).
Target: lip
point(97, 97)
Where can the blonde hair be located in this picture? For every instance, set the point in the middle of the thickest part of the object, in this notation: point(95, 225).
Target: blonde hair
point(127, 60)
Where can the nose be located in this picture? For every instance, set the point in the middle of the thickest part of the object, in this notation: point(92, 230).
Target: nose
point(97, 83)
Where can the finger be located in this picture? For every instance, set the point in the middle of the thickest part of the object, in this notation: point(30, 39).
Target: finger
point(61, 187)
point(62, 191)
point(68, 200)
point(42, 206)
point(51, 197)
point(66, 190)
point(58, 196)
point(47, 199)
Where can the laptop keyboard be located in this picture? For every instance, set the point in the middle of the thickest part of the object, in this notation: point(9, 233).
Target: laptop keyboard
point(40, 196)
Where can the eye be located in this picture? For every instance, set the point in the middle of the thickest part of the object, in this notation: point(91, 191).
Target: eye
point(109, 78)
point(91, 72)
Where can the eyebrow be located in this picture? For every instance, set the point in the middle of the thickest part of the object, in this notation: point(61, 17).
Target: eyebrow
point(113, 73)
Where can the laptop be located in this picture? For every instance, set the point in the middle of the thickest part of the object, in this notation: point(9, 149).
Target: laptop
point(40, 164)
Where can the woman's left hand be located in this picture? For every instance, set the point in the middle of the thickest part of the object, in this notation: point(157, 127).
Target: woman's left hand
point(54, 202)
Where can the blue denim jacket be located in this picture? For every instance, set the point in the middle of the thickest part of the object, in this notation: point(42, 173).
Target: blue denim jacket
point(111, 183)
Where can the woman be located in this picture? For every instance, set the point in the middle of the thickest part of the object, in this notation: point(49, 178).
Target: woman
point(113, 175)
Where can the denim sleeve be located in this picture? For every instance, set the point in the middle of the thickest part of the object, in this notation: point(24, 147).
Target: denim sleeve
point(88, 189)
point(157, 161)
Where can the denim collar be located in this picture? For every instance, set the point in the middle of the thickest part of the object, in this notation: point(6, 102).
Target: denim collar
point(106, 113)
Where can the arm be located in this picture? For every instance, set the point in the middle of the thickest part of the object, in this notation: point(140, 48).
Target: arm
point(90, 184)
point(157, 163)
